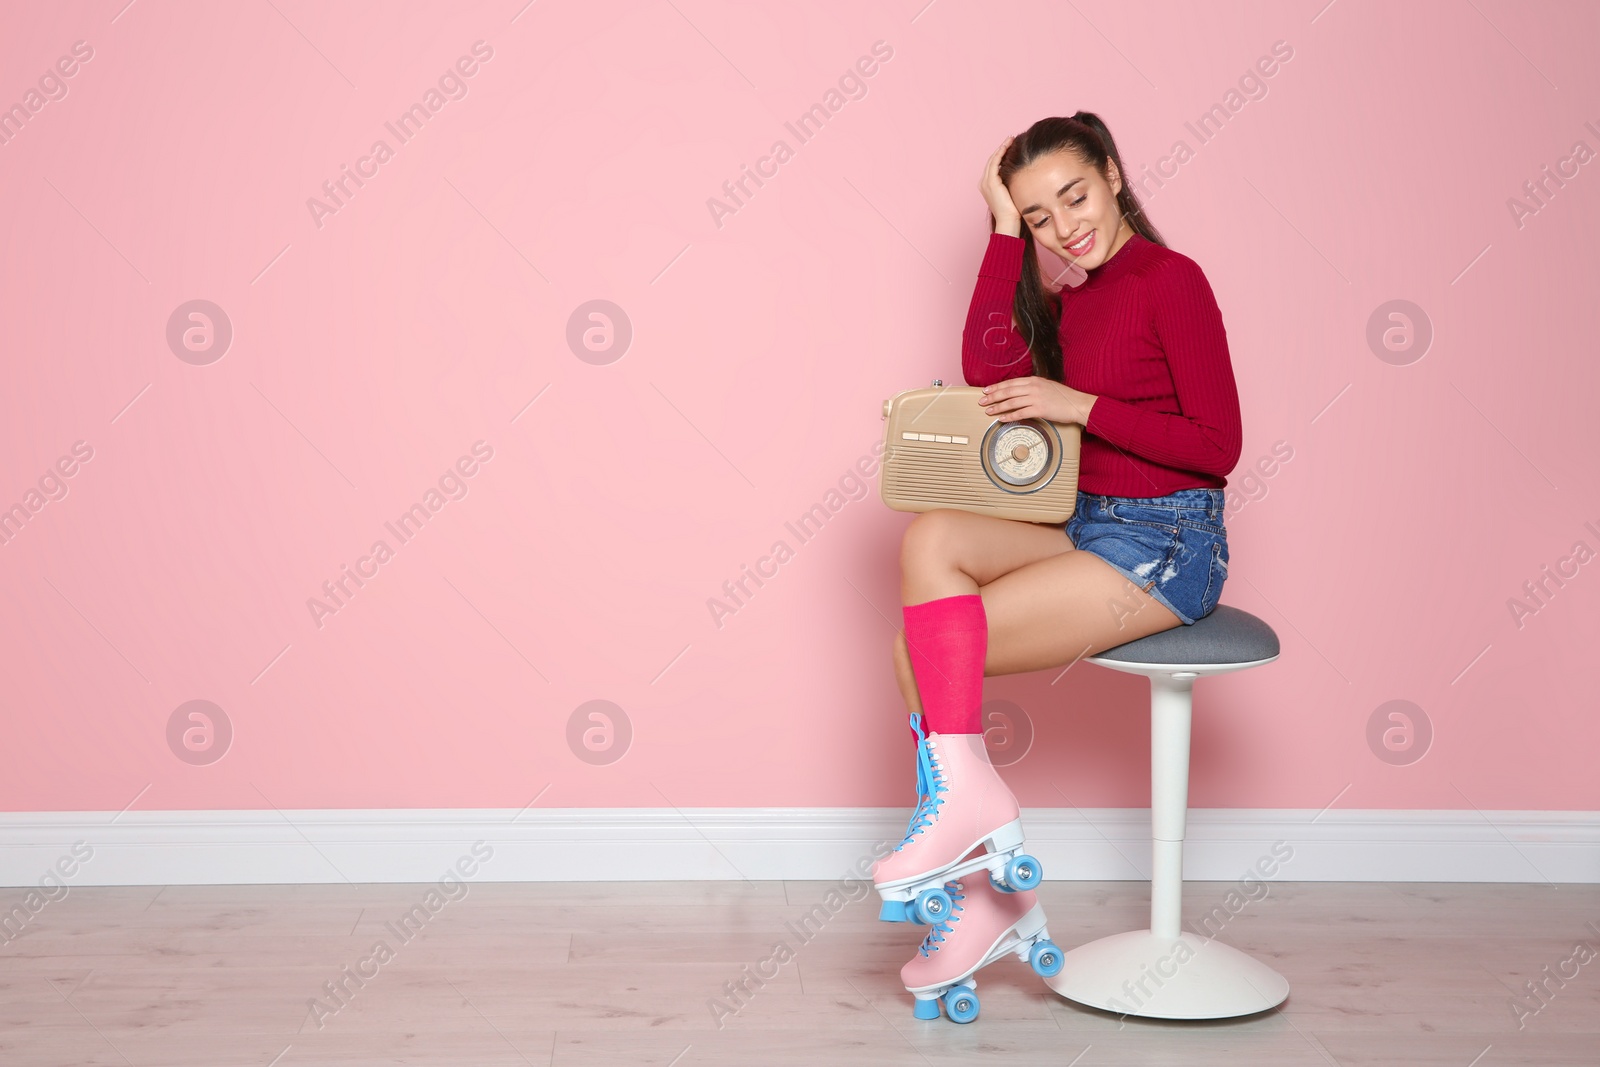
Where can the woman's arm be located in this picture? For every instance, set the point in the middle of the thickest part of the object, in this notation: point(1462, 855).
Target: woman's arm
point(991, 348)
point(1208, 436)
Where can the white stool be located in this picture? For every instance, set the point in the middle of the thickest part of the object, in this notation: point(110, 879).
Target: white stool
point(1164, 972)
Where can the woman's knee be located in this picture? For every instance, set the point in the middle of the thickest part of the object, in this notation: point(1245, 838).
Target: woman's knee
point(932, 538)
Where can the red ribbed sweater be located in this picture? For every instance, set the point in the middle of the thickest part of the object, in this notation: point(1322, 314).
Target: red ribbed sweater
point(1145, 336)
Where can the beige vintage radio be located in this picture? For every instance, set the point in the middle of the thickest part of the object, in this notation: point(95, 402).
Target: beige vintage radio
point(942, 451)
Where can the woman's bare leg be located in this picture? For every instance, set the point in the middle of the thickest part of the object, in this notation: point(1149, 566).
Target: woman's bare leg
point(1047, 604)
point(1059, 610)
point(946, 552)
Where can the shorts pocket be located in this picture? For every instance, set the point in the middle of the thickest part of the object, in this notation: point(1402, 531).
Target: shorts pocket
point(1163, 516)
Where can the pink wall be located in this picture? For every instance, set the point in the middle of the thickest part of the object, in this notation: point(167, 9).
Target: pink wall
point(373, 349)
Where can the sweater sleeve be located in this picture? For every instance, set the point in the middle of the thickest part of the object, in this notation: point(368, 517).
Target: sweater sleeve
point(991, 348)
point(1207, 436)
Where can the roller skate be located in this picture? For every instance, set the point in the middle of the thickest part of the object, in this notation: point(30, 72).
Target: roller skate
point(983, 925)
point(963, 804)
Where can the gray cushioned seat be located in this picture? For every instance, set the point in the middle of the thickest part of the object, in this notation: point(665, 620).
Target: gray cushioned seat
point(1227, 635)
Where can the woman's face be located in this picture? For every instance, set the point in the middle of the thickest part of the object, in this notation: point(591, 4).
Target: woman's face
point(1071, 209)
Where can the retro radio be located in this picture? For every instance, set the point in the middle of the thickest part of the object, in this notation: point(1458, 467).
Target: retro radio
point(943, 451)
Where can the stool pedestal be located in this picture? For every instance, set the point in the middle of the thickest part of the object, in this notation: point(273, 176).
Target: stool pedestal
point(1165, 972)
point(1183, 977)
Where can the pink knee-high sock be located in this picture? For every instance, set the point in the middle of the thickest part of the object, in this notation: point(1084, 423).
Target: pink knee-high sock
point(948, 639)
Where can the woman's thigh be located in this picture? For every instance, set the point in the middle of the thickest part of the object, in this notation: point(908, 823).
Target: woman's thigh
point(1055, 611)
point(948, 541)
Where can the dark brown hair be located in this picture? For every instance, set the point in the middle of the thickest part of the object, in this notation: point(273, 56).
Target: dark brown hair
point(1037, 309)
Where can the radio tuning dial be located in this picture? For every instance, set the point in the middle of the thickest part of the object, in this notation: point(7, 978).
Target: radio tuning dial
point(1019, 454)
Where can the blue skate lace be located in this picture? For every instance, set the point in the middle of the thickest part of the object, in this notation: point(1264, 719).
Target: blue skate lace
point(935, 938)
point(922, 782)
point(930, 786)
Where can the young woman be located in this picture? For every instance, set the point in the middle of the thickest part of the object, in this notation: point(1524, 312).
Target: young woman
point(1137, 355)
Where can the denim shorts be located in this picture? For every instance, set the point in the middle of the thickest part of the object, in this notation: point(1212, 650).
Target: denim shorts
point(1174, 547)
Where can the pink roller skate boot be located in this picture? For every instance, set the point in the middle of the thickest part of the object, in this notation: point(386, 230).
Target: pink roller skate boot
point(966, 806)
point(984, 924)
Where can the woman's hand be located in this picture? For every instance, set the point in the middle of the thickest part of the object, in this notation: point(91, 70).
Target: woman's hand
point(1036, 398)
point(1006, 217)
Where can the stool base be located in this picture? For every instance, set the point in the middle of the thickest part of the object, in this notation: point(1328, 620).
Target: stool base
point(1186, 977)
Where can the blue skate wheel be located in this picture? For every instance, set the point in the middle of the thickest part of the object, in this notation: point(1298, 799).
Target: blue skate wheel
point(1023, 872)
point(931, 906)
point(1045, 959)
point(961, 1004)
point(894, 911)
point(925, 1009)
point(1000, 885)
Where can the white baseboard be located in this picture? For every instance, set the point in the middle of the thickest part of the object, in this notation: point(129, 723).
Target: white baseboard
point(649, 844)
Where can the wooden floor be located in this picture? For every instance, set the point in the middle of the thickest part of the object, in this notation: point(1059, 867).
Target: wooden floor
point(568, 974)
